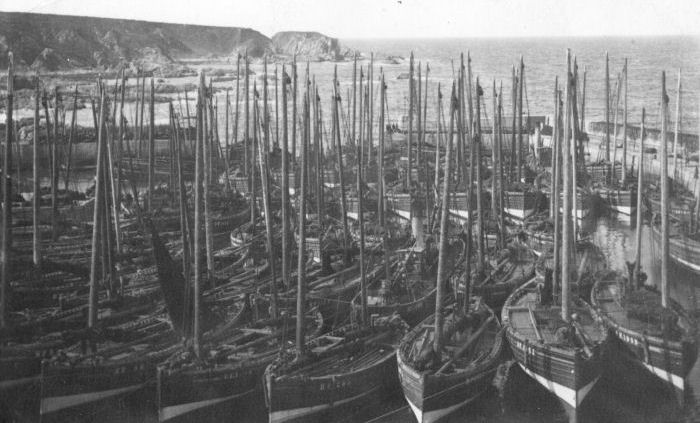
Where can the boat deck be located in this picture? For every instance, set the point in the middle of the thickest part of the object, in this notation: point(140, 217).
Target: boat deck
point(543, 323)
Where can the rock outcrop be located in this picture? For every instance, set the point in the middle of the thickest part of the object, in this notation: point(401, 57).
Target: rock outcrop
point(308, 45)
point(53, 42)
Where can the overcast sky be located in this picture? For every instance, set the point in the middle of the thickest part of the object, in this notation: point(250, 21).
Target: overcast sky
point(402, 18)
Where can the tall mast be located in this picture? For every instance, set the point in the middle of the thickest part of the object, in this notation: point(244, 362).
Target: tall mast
point(354, 97)
point(285, 184)
point(97, 213)
point(370, 121)
point(151, 148)
point(583, 102)
point(265, 120)
point(294, 108)
point(555, 128)
point(361, 221)
point(476, 145)
point(227, 112)
point(640, 189)
point(246, 133)
point(441, 272)
point(341, 178)
point(566, 227)
point(199, 164)
point(277, 110)
point(409, 139)
point(607, 108)
point(419, 127)
point(501, 185)
point(301, 260)
point(238, 86)
point(624, 131)
point(71, 134)
point(36, 236)
point(7, 194)
point(182, 197)
point(206, 174)
point(380, 174)
point(556, 177)
point(54, 169)
point(519, 153)
point(664, 195)
point(513, 146)
point(494, 157)
point(677, 126)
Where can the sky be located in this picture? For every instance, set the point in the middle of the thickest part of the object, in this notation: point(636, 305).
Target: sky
point(402, 18)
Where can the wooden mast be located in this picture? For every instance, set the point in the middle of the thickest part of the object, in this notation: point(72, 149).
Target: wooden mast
point(97, 213)
point(7, 195)
point(501, 185)
point(494, 157)
point(677, 127)
point(36, 236)
point(301, 259)
point(513, 146)
point(409, 138)
point(265, 181)
point(607, 109)
point(294, 108)
point(354, 97)
point(583, 102)
point(521, 82)
point(476, 145)
point(227, 184)
point(70, 137)
point(238, 86)
point(664, 196)
point(380, 174)
point(555, 130)
point(640, 189)
point(624, 131)
point(566, 168)
point(285, 184)
point(54, 169)
point(151, 148)
point(370, 121)
point(277, 110)
point(441, 272)
point(246, 135)
point(341, 178)
point(207, 141)
point(199, 164)
point(361, 221)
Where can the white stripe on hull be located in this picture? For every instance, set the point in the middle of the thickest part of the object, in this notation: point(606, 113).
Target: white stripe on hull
point(402, 213)
point(353, 216)
point(167, 413)
point(692, 266)
point(286, 415)
point(52, 404)
point(435, 415)
point(677, 381)
point(572, 397)
point(519, 213)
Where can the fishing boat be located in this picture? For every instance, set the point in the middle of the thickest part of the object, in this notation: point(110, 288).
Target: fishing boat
point(662, 340)
point(521, 201)
point(508, 269)
point(684, 248)
point(437, 385)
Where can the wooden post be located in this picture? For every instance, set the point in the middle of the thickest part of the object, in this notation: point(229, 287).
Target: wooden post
point(301, 259)
point(151, 148)
point(664, 196)
point(198, 200)
point(640, 216)
point(442, 265)
point(98, 213)
point(566, 227)
point(36, 236)
point(677, 127)
point(519, 153)
point(7, 195)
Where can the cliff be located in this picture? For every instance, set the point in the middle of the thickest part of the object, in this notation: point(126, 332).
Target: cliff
point(308, 45)
point(56, 42)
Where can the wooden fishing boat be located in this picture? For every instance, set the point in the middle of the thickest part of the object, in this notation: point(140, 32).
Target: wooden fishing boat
point(411, 291)
point(681, 206)
point(521, 202)
point(400, 204)
point(509, 269)
point(228, 377)
point(619, 200)
point(565, 358)
point(664, 341)
point(590, 260)
point(436, 386)
point(684, 248)
point(346, 367)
